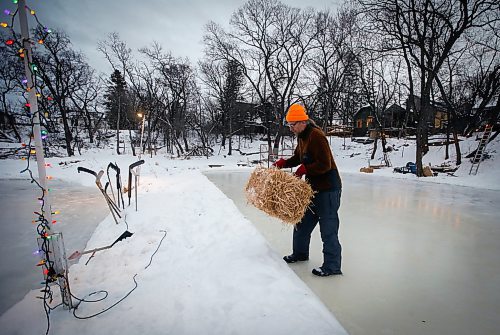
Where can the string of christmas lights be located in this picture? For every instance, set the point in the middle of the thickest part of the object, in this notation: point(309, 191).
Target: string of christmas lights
point(43, 218)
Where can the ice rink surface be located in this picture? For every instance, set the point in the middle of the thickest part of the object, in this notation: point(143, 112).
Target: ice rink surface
point(418, 258)
point(81, 210)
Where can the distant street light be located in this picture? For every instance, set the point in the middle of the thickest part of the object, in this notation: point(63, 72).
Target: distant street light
point(143, 117)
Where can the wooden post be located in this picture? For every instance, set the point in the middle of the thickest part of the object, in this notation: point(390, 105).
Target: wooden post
point(40, 158)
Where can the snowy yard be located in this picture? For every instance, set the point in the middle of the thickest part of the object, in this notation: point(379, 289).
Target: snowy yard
point(196, 265)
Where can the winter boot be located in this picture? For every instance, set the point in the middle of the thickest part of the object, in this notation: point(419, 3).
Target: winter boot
point(295, 258)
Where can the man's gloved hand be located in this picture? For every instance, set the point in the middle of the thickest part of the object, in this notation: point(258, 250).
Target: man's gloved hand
point(301, 170)
point(280, 163)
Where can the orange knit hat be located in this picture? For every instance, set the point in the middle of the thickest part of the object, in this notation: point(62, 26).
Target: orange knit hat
point(296, 112)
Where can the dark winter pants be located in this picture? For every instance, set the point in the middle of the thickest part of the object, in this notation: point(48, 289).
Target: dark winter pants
point(324, 208)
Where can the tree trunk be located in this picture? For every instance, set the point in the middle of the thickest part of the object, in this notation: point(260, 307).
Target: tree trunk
point(457, 148)
point(12, 123)
point(88, 125)
point(447, 152)
point(118, 127)
point(230, 137)
point(375, 144)
point(68, 137)
point(132, 146)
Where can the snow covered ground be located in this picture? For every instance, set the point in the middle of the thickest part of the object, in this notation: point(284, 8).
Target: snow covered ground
point(195, 264)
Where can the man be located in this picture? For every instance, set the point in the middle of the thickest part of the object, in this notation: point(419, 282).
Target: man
point(315, 160)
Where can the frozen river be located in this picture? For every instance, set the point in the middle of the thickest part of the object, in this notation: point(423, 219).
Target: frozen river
point(418, 258)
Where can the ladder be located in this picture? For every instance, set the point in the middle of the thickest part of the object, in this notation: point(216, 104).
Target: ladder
point(478, 157)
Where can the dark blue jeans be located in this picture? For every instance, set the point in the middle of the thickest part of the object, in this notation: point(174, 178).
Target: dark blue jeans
point(323, 209)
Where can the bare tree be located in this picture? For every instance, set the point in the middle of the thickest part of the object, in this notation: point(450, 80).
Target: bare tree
point(332, 67)
point(426, 31)
point(224, 80)
point(270, 42)
point(10, 79)
point(119, 57)
point(179, 82)
point(149, 91)
point(63, 72)
point(379, 77)
point(86, 102)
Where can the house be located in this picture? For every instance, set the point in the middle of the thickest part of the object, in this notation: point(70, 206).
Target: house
point(394, 117)
point(364, 121)
point(247, 119)
point(438, 118)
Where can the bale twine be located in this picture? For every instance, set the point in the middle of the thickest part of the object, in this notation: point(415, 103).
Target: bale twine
point(279, 194)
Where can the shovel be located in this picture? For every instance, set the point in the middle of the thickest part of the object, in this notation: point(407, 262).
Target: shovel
point(77, 254)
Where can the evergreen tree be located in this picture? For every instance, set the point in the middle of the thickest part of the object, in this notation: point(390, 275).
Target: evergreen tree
point(118, 107)
point(229, 97)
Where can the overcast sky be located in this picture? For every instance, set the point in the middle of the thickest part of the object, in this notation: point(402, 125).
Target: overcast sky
point(177, 25)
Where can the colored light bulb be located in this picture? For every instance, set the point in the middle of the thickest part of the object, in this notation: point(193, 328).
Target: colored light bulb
point(3, 24)
point(9, 42)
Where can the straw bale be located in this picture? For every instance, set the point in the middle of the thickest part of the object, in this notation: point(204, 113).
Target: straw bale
point(427, 171)
point(366, 170)
point(279, 194)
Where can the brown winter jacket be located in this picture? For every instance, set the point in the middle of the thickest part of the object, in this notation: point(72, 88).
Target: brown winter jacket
point(314, 152)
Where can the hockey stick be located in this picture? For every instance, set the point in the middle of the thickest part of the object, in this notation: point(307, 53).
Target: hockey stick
point(108, 198)
point(109, 182)
point(130, 171)
point(118, 184)
point(111, 204)
point(77, 254)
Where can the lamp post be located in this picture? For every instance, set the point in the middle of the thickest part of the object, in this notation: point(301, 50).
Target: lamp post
point(143, 117)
